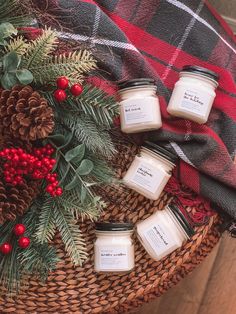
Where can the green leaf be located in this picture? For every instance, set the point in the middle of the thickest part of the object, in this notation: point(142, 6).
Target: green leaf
point(11, 61)
point(57, 139)
point(83, 194)
point(24, 76)
point(85, 167)
point(75, 154)
point(8, 80)
point(75, 181)
point(60, 140)
point(65, 174)
point(7, 29)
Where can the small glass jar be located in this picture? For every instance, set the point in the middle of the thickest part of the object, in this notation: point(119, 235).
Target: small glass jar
point(114, 248)
point(194, 94)
point(139, 106)
point(150, 170)
point(164, 232)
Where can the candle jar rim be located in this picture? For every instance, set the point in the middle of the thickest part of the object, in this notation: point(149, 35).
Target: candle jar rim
point(201, 71)
point(138, 82)
point(161, 151)
point(182, 220)
point(114, 226)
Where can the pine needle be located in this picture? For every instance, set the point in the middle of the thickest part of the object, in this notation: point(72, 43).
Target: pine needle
point(86, 131)
point(72, 65)
point(39, 49)
point(18, 44)
point(71, 235)
point(46, 228)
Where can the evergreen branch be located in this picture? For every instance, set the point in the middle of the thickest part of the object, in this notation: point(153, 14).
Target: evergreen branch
point(38, 260)
point(70, 200)
point(39, 50)
point(9, 270)
point(96, 104)
point(12, 12)
point(72, 65)
point(71, 235)
point(46, 228)
point(86, 131)
point(18, 44)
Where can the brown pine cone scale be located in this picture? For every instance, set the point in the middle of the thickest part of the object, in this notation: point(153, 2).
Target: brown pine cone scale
point(25, 114)
point(15, 200)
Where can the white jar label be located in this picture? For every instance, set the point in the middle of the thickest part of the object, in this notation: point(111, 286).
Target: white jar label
point(148, 177)
point(158, 238)
point(138, 110)
point(113, 258)
point(195, 101)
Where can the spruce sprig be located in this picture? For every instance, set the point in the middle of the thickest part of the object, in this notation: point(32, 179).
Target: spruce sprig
point(18, 44)
point(11, 11)
point(96, 104)
point(86, 131)
point(39, 49)
point(71, 235)
point(40, 58)
point(36, 261)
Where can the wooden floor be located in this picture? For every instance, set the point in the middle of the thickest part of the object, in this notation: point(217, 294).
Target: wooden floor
point(210, 289)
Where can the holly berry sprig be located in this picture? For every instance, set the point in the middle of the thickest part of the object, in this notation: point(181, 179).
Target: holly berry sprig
point(23, 242)
point(63, 84)
point(37, 165)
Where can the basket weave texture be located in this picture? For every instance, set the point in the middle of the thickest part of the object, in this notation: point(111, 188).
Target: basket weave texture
point(81, 290)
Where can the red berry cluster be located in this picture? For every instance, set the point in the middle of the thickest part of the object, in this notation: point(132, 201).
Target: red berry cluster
point(37, 165)
point(23, 242)
point(62, 84)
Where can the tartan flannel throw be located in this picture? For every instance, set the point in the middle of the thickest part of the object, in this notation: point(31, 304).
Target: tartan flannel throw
point(156, 38)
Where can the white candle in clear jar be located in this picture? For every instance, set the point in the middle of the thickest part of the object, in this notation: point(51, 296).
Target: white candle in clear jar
point(194, 94)
point(139, 106)
point(114, 247)
point(164, 232)
point(150, 170)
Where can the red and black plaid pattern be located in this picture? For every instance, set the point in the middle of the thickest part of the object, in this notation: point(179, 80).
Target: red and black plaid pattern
point(156, 38)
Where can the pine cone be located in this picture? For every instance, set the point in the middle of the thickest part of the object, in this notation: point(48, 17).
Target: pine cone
point(25, 114)
point(7, 141)
point(15, 200)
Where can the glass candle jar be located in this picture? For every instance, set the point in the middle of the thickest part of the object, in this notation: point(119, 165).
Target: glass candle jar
point(193, 94)
point(150, 170)
point(114, 248)
point(139, 106)
point(164, 231)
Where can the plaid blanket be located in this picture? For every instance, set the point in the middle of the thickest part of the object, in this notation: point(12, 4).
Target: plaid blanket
point(156, 38)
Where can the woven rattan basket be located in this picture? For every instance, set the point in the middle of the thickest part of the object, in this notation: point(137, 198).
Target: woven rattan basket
point(81, 290)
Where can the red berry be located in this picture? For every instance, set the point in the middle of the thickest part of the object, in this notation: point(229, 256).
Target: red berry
point(8, 179)
point(19, 229)
point(24, 242)
point(37, 152)
point(53, 161)
point(59, 191)
point(60, 95)
point(76, 89)
point(15, 158)
point(5, 248)
point(38, 164)
point(49, 189)
point(62, 82)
